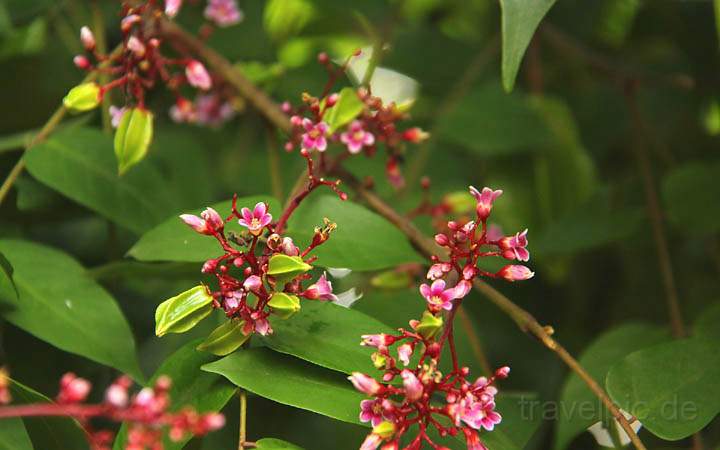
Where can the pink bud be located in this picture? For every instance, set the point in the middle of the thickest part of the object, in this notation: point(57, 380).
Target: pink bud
point(129, 21)
point(331, 100)
point(442, 239)
point(212, 218)
point(286, 107)
point(87, 38)
point(515, 273)
point(116, 395)
point(413, 386)
point(214, 421)
point(365, 384)
point(209, 266)
point(377, 340)
point(502, 372)
point(404, 353)
point(484, 200)
point(415, 135)
point(196, 223)
point(136, 47)
point(462, 289)
point(73, 389)
point(81, 62)
point(296, 121)
point(252, 283)
point(469, 272)
point(172, 7)
point(197, 75)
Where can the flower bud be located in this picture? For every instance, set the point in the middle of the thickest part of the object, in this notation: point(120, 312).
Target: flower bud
point(284, 305)
point(484, 200)
point(213, 219)
point(83, 97)
point(136, 47)
point(133, 137)
point(377, 340)
point(415, 135)
point(405, 351)
point(413, 386)
point(462, 289)
point(73, 389)
point(442, 239)
point(515, 273)
point(196, 223)
point(502, 372)
point(252, 283)
point(87, 38)
point(129, 21)
point(81, 62)
point(197, 75)
point(365, 384)
point(182, 312)
point(172, 7)
point(429, 325)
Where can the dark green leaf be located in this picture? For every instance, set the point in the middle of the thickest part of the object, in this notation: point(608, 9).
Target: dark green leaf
point(275, 444)
point(690, 195)
point(579, 408)
point(172, 240)
point(191, 386)
point(672, 388)
point(383, 246)
point(708, 324)
point(79, 163)
point(519, 21)
point(327, 335)
point(59, 303)
point(13, 435)
point(6, 277)
point(292, 382)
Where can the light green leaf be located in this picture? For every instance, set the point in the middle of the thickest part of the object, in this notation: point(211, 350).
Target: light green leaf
point(384, 247)
point(579, 407)
point(689, 189)
point(327, 335)
point(225, 339)
point(13, 435)
point(708, 324)
point(283, 18)
point(79, 163)
point(387, 84)
point(275, 444)
point(172, 240)
point(292, 382)
point(182, 312)
point(27, 40)
point(60, 304)
point(672, 388)
point(7, 284)
point(520, 19)
point(203, 391)
point(347, 108)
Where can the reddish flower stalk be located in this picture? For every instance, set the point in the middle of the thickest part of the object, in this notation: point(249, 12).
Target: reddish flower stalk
point(146, 413)
point(468, 406)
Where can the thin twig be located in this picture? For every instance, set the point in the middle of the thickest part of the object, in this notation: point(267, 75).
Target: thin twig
point(243, 420)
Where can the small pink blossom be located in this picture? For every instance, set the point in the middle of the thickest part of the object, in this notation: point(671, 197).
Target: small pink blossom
point(484, 200)
point(288, 247)
point(253, 283)
point(365, 384)
point(256, 220)
point(469, 272)
point(515, 273)
point(405, 351)
point(196, 223)
point(356, 137)
point(212, 218)
point(197, 75)
point(183, 111)
point(128, 21)
point(314, 136)
point(116, 115)
point(438, 270)
point(437, 296)
point(371, 411)
point(172, 7)
point(514, 246)
point(413, 386)
point(472, 440)
point(211, 110)
point(87, 38)
point(462, 289)
point(262, 326)
point(223, 12)
point(321, 290)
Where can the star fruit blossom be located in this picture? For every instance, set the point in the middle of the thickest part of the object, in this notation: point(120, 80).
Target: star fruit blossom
point(468, 405)
point(356, 137)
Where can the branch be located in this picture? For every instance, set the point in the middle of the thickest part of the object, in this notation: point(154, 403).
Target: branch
point(423, 244)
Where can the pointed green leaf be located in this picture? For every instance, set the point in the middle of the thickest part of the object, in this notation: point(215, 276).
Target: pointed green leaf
point(62, 305)
point(275, 444)
point(14, 436)
point(182, 312)
point(347, 108)
point(133, 137)
point(225, 339)
point(519, 21)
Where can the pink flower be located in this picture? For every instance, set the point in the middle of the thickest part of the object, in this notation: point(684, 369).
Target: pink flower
point(356, 137)
point(413, 386)
point(484, 200)
point(472, 439)
point(262, 326)
point(196, 223)
point(371, 411)
point(256, 220)
point(438, 270)
point(405, 351)
point(365, 384)
point(223, 12)
point(462, 289)
point(87, 38)
point(172, 7)
point(515, 273)
point(197, 75)
point(212, 218)
point(494, 233)
point(212, 110)
point(514, 246)
point(314, 136)
point(320, 290)
point(252, 283)
point(437, 296)
point(116, 115)
point(183, 111)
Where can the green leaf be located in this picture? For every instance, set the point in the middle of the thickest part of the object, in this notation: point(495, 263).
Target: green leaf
point(275, 444)
point(672, 388)
point(579, 408)
point(292, 382)
point(27, 40)
point(6, 277)
point(225, 339)
point(182, 312)
point(172, 240)
point(391, 279)
point(520, 19)
point(203, 391)
point(347, 108)
point(79, 163)
point(708, 324)
point(716, 8)
point(327, 335)
point(490, 123)
point(384, 246)
point(60, 304)
point(13, 435)
point(132, 138)
point(284, 18)
point(387, 84)
point(47, 433)
point(689, 189)
point(284, 268)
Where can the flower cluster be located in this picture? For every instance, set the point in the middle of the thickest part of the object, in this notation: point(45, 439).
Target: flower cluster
point(412, 356)
point(140, 64)
point(261, 271)
point(146, 413)
point(370, 122)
